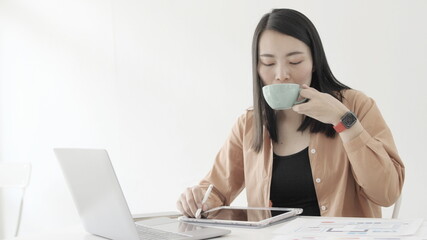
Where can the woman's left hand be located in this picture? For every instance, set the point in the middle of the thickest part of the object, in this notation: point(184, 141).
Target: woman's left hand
point(322, 106)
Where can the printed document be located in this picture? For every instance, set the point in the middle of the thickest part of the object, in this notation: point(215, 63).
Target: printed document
point(348, 227)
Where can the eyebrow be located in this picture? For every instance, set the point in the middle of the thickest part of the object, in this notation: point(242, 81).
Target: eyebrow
point(287, 55)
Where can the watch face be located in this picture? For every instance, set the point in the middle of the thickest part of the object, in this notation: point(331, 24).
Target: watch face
point(349, 119)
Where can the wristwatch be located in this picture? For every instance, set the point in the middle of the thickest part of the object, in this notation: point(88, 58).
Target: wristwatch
point(347, 120)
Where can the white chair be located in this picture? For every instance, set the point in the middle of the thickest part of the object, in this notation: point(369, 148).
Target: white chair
point(396, 207)
point(15, 175)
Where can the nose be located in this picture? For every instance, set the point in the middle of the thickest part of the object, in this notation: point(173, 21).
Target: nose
point(282, 74)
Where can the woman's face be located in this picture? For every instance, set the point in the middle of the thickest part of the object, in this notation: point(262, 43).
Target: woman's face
point(283, 59)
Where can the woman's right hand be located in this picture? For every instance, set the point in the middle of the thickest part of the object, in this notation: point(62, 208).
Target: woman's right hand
point(190, 201)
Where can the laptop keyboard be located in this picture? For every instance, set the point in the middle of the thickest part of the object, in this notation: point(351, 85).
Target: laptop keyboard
point(148, 233)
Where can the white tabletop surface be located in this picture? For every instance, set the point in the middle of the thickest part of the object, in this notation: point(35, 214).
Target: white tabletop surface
point(78, 233)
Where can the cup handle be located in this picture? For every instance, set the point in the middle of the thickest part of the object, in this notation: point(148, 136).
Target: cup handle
point(302, 101)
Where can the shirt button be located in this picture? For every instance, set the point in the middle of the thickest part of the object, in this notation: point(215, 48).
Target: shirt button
point(323, 208)
point(318, 180)
point(313, 151)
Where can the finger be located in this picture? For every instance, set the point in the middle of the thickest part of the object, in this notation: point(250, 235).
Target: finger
point(302, 108)
point(307, 109)
point(198, 196)
point(308, 93)
point(182, 206)
point(185, 205)
point(190, 201)
point(185, 202)
point(296, 108)
point(305, 86)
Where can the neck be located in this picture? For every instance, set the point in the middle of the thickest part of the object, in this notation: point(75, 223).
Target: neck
point(288, 117)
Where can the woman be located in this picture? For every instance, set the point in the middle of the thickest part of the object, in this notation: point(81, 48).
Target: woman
point(332, 155)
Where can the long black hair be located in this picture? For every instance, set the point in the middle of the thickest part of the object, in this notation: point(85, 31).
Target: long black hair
point(295, 24)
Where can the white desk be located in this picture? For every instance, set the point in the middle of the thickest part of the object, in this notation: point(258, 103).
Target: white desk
point(78, 233)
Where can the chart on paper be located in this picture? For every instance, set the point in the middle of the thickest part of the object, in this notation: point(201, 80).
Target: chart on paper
point(355, 228)
point(351, 227)
point(284, 237)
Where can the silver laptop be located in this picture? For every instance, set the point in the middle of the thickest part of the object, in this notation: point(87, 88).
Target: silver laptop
point(102, 205)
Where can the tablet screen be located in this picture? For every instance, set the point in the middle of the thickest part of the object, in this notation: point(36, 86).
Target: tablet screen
point(252, 215)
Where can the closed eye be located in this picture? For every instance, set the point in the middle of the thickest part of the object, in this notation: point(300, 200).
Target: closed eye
point(267, 64)
point(295, 63)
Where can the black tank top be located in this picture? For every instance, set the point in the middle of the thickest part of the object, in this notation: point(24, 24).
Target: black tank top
point(292, 183)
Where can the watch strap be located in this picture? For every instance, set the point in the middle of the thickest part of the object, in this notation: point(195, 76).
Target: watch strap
point(339, 127)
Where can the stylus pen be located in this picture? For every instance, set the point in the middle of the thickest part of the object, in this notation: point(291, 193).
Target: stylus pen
point(205, 198)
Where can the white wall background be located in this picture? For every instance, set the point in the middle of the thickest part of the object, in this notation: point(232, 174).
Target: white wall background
point(160, 83)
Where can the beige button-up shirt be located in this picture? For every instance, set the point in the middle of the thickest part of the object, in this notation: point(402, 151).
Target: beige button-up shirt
point(351, 180)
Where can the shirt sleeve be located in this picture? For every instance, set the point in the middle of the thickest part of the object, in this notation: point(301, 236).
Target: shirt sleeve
point(227, 173)
point(376, 165)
